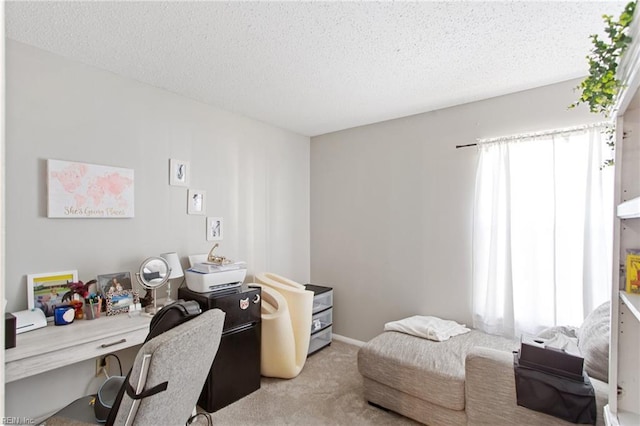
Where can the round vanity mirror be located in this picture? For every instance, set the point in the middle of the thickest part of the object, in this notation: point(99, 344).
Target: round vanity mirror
point(154, 272)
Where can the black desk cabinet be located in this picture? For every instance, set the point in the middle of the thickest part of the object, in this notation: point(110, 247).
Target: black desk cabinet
point(235, 372)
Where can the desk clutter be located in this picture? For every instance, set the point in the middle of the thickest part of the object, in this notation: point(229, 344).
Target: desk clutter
point(61, 298)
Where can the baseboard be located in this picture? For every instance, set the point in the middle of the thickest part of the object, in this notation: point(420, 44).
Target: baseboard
point(38, 420)
point(348, 340)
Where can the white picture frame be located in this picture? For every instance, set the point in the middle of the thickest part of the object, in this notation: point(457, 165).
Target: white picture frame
point(179, 171)
point(214, 229)
point(196, 201)
point(45, 291)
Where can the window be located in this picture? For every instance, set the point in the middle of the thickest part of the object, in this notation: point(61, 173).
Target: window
point(542, 230)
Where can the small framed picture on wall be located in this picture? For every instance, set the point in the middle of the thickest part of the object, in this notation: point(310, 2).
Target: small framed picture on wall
point(214, 229)
point(178, 172)
point(196, 201)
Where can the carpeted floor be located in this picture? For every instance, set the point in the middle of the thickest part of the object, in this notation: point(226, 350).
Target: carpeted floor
point(328, 391)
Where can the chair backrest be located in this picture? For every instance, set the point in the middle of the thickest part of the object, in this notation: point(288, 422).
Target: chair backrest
point(182, 357)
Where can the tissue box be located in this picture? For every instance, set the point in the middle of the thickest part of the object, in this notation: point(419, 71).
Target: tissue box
point(534, 354)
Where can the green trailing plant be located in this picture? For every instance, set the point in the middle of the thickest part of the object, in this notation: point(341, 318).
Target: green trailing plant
point(610, 140)
point(601, 87)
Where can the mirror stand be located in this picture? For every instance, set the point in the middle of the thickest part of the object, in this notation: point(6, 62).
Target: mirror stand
point(154, 272)
point(169, 299)
point(152, 310)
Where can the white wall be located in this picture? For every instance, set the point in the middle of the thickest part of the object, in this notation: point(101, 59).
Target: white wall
point(392, 206)
point(256, 177)
point(2, 183)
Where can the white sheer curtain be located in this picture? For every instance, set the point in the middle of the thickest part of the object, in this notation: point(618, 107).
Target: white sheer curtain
point(542, 231)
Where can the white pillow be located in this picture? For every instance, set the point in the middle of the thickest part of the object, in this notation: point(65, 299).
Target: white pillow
point(427, 327)
point(593, 341)
point(551, 332)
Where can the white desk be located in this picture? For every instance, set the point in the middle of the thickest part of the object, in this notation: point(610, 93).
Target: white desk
point(52, 347)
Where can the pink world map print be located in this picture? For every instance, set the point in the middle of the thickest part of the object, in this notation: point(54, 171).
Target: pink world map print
point(88, 190)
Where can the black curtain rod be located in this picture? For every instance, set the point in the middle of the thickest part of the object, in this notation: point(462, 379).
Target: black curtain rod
point(464, 146)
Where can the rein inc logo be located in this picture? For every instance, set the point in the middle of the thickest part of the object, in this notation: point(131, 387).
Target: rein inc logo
point(18, 421)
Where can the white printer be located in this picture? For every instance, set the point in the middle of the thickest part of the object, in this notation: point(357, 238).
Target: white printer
point(204, 277)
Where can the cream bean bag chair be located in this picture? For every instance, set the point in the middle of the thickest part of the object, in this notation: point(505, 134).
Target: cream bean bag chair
point(277, 353)
point(286, 325)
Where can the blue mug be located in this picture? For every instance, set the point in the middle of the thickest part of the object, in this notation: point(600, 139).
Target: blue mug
point(63, 315)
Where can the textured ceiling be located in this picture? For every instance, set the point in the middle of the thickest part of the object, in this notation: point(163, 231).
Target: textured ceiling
point(318, 67)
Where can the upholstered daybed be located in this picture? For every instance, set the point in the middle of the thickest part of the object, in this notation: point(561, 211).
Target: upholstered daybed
point(467, 379)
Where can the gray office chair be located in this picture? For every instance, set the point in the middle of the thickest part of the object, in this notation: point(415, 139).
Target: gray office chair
point(181, 356)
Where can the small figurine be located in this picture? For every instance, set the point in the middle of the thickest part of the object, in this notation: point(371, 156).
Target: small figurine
point(218, 260)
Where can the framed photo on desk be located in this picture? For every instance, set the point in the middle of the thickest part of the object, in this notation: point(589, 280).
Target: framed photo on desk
point(45, 291)
point(110, 283)
point(119, 302)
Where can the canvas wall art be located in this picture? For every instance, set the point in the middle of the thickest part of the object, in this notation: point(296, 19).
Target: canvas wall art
point(81, 190)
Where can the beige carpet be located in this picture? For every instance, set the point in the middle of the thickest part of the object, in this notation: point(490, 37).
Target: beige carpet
point(327, 392)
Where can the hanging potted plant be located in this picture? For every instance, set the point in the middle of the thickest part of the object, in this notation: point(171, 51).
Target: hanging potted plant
point(601, 87)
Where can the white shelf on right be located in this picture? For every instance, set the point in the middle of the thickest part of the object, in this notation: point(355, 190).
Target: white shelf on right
point(623, 417)
point(632, 301)
point(629, 209)
point(628, 418)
